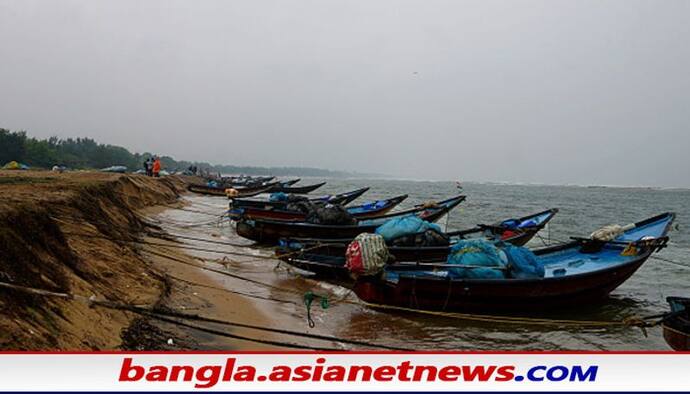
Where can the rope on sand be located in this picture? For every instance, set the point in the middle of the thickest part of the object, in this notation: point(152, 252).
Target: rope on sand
point(170, 316)
point(222, 289)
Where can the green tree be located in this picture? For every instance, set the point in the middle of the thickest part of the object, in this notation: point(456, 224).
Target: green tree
point(12, 146)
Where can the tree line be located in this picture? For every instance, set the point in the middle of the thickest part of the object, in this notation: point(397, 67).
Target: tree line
point(86, 153)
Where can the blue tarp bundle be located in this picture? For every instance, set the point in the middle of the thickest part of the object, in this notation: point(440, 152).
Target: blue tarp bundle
point(373, 205)
point(515, 224)
point(476, 259)
point(278, 196)
point(481, 259)
point(406, 225)
point(523, 263)
point(212, 184)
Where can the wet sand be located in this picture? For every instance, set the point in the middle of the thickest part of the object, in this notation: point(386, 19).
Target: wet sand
point(195, 291)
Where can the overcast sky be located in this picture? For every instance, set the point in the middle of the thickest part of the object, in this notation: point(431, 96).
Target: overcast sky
point(585, 92)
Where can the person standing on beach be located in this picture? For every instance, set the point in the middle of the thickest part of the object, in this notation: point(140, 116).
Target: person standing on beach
point(156, 167)
point(148, 165)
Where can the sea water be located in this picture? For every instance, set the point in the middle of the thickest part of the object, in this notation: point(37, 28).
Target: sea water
point(582, 210)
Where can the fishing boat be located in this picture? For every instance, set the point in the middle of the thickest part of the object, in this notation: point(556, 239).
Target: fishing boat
point(676, 325)
point(363, 211)
point(575, 273)
point(342, 199)
point(296, 189)
point(244, 181)
point(287, 183)
point(326, 258)
point(248, 191)
point(270, 231)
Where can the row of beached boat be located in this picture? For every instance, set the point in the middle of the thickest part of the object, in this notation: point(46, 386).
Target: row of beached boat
point(420, 270)
point(249, 187)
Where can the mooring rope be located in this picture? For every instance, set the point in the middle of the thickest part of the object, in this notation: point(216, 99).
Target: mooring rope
point(211, 241)
point(175, 245)
point(197, 211)
point(162, 314)
point(167, 205)
point(219, 220)
point(225, 290)
point(510, 319)
point(255, 257)
point(665, 260)
point(239, 277)
point(186, 225)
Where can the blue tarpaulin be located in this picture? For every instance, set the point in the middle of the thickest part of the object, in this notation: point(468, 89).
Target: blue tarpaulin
point(278, 196)
point(476, 259)
point(406, 225)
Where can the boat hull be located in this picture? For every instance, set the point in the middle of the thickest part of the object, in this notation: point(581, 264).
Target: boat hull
point(220, 191)
point(510, 295)
point(271, 231)
point(676, 326)
point(278, 214)
point(342, 199)
point(675, 338)
point(296, 189)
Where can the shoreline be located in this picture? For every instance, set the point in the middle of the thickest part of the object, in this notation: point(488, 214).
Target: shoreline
point(197, 291)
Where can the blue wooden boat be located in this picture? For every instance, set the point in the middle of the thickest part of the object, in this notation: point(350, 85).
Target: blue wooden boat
point(576, 273)
point(270, 231)
point(326, 257)
point(342, 199)
point(367, 210)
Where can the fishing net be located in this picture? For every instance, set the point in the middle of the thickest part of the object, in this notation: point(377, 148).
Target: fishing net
point(523, 263)
point(367, 254)
point(476, 259)
point(406, 225)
